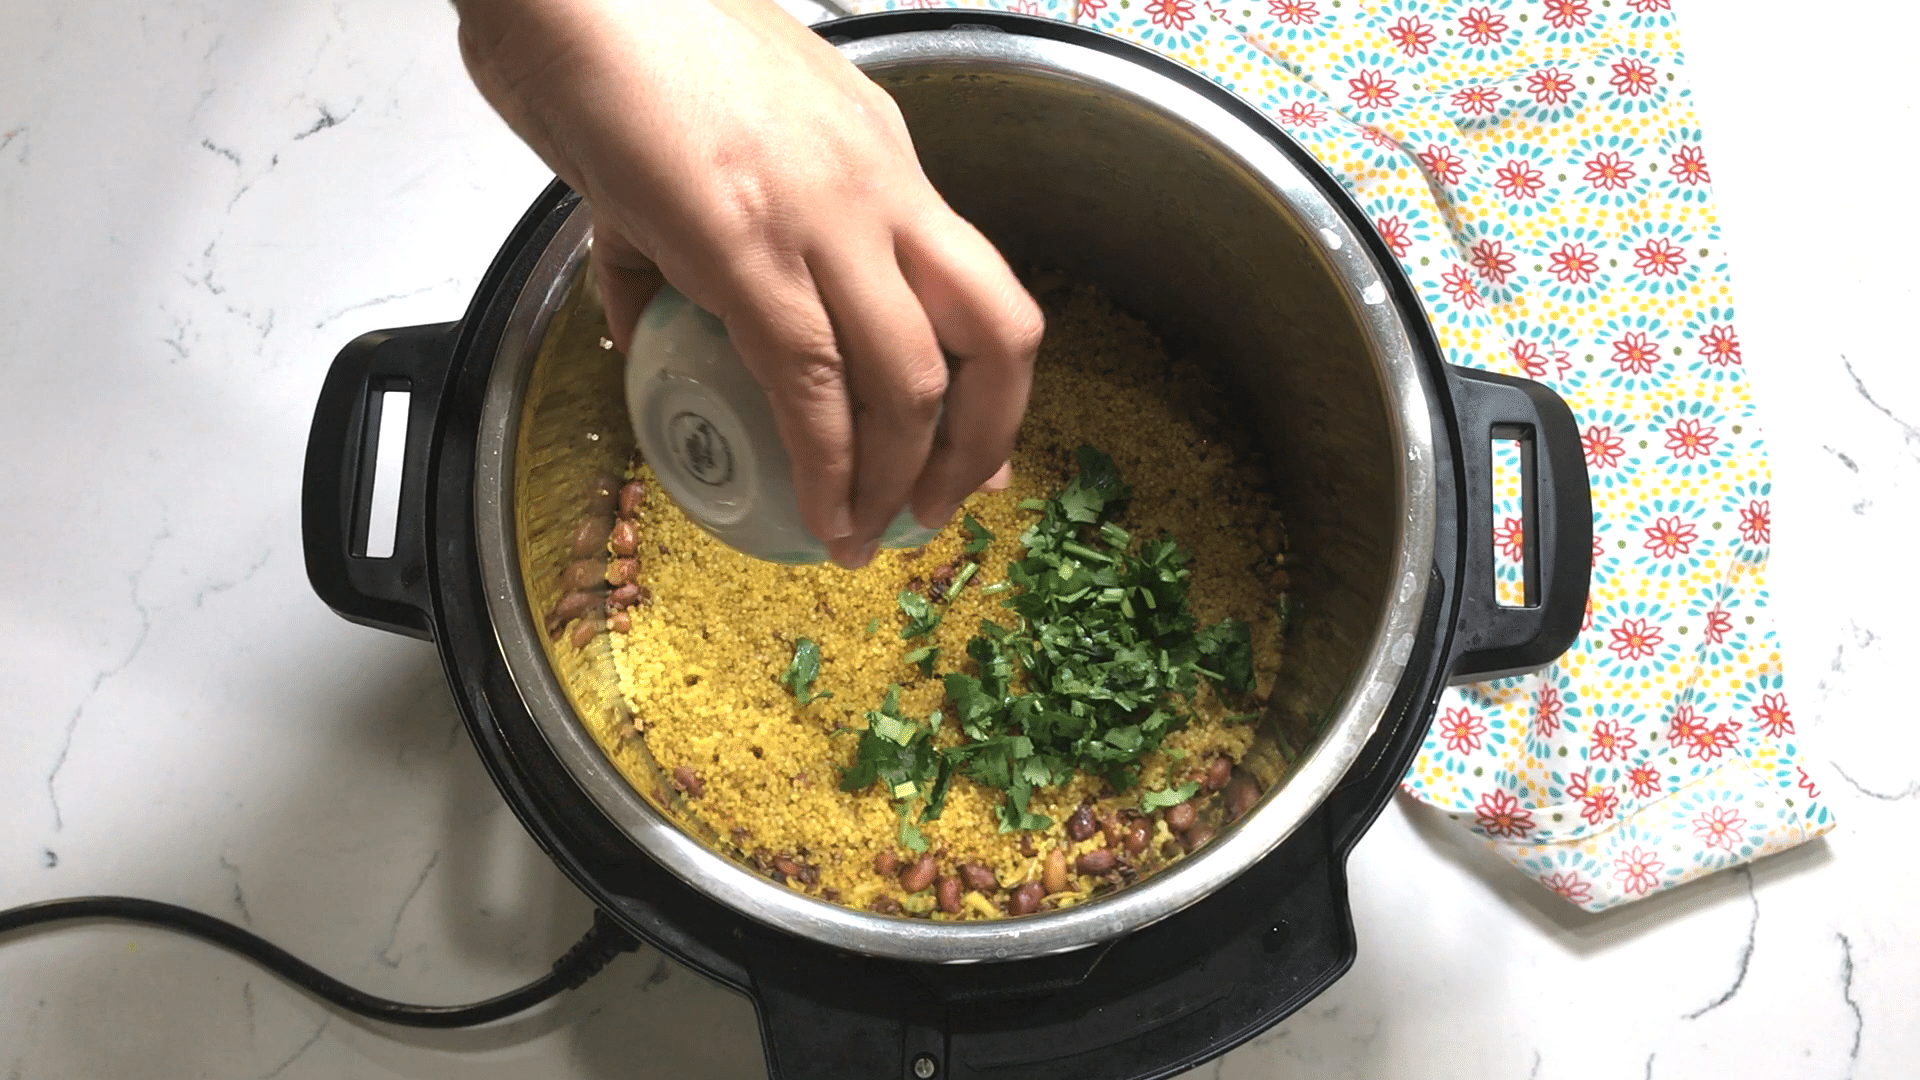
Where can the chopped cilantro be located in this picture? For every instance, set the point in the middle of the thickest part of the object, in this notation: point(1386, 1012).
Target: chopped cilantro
point(978, 535)
point(925, 656)
point(921, 616)
point(872, 625)
point(1101, 663)
point(802, 670)
point(1173, 796)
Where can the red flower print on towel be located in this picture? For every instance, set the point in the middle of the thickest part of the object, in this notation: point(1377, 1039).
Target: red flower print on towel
point(1719, 827)
point(1518, 180)
point(1774, 717)
point(1370, 89)
point(1644, 779)
point(1719, 625)
point(1394, 232)
point(1501, 815)
point(1294, 12)
point(1550, 86)
point(1411, 36)
point(1721, 346)
point(1567, 14)
point(1443, 163)
point(1170, 14)
point(1611, 741)
point(1493, 262)
point(1689, 166)
point(1596, 803)
point(1668, 537)
point(1509, 536)
point(1647, 7)
point(1570, 885)
point(1604, 448)
point(1635, 353)
point(1461, 729)
point(1635, 639)
point(1546, 712)
point(1806, 783)
point(1756, 522)
point(1638, 869)
point(1480, 26)
point(1701, 740)
point(1632, 77)
point(1476, 100)
point(1573, 264)
point(1689, 438)
point(1610, 171)
point(1299, 114)
point(1458, 283)
point(1659, 257)
point(1531, 358)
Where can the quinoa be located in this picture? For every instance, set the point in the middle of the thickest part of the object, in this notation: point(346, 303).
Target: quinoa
point(699, 663)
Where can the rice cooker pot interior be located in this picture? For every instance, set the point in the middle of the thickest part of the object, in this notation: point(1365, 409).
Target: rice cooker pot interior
point(1080, 163)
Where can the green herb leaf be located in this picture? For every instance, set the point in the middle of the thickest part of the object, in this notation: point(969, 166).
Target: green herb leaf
point(1227, 648)
point(801, 672)
point(979, 535)
point(921, 616)
point(925, 656)
point(872, 625)
point(1173, 796)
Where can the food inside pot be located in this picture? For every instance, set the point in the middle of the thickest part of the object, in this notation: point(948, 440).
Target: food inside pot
point(1053, 699)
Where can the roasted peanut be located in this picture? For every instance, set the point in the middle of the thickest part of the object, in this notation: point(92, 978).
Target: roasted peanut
point(1054, 875)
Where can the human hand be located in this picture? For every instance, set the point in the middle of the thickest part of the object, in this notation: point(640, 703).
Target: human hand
point(766, 178)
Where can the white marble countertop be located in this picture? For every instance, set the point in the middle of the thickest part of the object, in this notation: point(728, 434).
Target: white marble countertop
point(200, 202)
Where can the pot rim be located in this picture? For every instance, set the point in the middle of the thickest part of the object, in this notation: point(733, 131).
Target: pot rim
point(1361, 278)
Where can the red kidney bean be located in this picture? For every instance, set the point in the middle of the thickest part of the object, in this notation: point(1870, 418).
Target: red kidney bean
point(946, 892)
point(920, 874)
point(886, 864)
point(620, 622)
point(644, 598)
point(1197, 837)
point(1097, 861)
point(633, 496)
point(786, 866)
point(591, 537)
point(585, 630)
point(979, 878)
point(625, 596)
point(1170, 849)
point(625, 538)
point(688, 781)
point(1053, 876)
point(1181, 816)
point(621, 572)
point(1242, 792)
point(885, 905)
point(1219, 773)
point(1026, 899)
point(1112, 830)
point(1138, 836)
point(1080, 824)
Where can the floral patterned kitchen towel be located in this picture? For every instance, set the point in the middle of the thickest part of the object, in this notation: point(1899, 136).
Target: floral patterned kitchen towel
point(1537, 168)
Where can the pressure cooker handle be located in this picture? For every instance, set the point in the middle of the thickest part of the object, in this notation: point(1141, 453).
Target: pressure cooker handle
point(336, 499)
point(1494, 640)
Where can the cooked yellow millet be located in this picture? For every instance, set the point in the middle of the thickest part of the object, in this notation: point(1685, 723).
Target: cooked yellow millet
point(700, 665)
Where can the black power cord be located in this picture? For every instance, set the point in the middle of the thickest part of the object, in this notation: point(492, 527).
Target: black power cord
point(593, 952)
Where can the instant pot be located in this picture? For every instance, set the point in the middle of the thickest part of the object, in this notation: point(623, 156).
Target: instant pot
point(1088, 157)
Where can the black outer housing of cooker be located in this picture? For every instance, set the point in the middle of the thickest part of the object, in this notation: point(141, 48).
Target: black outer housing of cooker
point(1145, 1006)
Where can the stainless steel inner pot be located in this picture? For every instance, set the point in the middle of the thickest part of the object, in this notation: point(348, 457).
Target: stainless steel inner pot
point(1185, 215)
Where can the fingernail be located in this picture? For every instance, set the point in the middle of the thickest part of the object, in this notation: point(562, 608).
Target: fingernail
point(866, 555)
point(840, 522)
